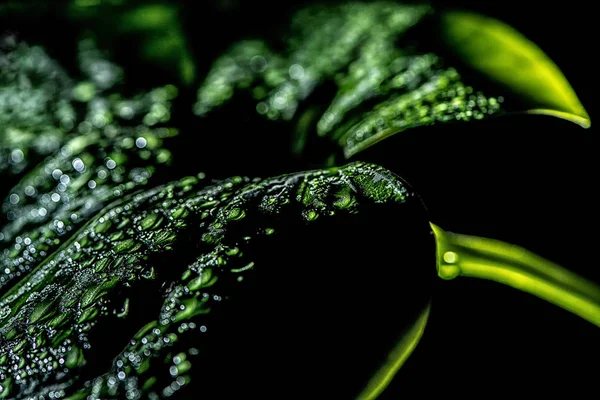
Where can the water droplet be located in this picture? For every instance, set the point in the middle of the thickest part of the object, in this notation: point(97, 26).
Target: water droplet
point(78, 165)
point(141, 142)
point(296, 71)
point(258, 63)
point(450, 257)
point(17, 156)
point(5, 311)
point(56, 174)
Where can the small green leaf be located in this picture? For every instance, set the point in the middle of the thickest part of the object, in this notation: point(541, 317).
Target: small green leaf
point(505, 56)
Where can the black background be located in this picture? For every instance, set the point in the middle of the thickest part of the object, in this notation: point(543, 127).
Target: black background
point(526, 180)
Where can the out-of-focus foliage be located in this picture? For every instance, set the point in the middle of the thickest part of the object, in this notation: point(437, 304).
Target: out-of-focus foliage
point(385, 81)
point(153, 28)
point(151, 31)
point(35, 105)
point(381, 87)
point(104, 146)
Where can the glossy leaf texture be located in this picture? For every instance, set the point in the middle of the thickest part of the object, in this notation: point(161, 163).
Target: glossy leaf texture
point(189, 278)
point(355, 74)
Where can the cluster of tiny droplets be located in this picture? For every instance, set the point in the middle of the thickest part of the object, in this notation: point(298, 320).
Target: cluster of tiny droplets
point(35, 105)
point(112, 149)
point(46, 321)
point(355, 46)
point(241, 67)
point(321, 44)
point(440, 97)
point(44, 331)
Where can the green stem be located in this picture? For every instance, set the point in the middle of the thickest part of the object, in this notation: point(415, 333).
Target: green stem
point(403, 348)
point(477, 257)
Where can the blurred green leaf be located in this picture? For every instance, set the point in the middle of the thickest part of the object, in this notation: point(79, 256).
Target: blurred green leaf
point(155, 28)
point(150, 32)
point(163, 40)
point(504, 55)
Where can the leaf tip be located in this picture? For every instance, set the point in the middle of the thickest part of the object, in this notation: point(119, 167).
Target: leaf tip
point(506, 56)
point(581, 119)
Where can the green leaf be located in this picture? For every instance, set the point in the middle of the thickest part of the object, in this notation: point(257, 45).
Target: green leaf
point(504, 55)
point(357, 74)
point(235, 231)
